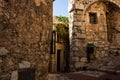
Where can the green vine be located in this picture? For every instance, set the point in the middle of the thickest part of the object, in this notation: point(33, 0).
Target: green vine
point(63, 19)
point(62, 28)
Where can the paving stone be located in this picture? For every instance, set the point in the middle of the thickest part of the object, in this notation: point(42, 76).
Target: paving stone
point(93, 73)
point(57, 77)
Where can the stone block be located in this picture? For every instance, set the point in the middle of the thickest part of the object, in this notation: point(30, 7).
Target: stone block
point(106, 48)
point(102, 54)
point(1, 61)
point(3, 51)
point(79, 12)
point(77, 54)
point(83, 59)
point(101, 46)
point(78, 44)
point(78, 18)
point(81, 36)
point(106, 55)
point(106, 45)
point(46, 57)
point(97, 55)
point(79, 64)
point(79, 6)
point(75, 48)
point(112, 47)
point(14, 75)
point(75, 58)
point(82, 28)
point(71, 54)
point(77, 23)
point(24, 64)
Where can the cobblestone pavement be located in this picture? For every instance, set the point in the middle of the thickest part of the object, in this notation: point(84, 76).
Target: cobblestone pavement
point(107, 68)
point(79, 76)
point(57, 77)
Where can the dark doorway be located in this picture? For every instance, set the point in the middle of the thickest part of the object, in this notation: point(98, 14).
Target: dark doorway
point(58, 60)
point(26, 74)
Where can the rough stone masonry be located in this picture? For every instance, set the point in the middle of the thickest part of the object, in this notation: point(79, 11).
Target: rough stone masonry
point(96, 22)
point(25, 30)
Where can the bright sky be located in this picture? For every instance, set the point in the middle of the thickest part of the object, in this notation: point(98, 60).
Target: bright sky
point(60, 8)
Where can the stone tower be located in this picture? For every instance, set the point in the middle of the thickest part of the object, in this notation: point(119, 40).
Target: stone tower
point(95, 22)
point(25, 34)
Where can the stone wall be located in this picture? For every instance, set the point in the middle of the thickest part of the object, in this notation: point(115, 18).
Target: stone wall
point(25, 33)
point(114, 29)
point(59, 61)
point(97, 33)
point(82, 32)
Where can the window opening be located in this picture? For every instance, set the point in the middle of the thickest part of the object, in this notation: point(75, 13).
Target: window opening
point(93, 18)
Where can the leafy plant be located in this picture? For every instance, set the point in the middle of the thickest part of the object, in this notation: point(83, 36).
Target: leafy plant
point(63, 19)
point(62, 27)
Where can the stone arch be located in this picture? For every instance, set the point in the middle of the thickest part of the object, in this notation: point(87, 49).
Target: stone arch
point(80, 29)
point(108, 24)
point(116, 2)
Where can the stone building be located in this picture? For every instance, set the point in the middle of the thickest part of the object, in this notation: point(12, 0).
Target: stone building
point(59, 48)
point(95, 22)
point(25, 34)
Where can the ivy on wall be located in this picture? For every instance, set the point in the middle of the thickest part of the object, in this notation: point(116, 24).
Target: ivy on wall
point(62, 27)
point(63, 19)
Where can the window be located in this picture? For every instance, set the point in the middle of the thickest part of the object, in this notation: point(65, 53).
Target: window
point(93, 18)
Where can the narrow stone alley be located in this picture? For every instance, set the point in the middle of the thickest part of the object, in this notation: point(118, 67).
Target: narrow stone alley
point(85, 45)
point(107, 68)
